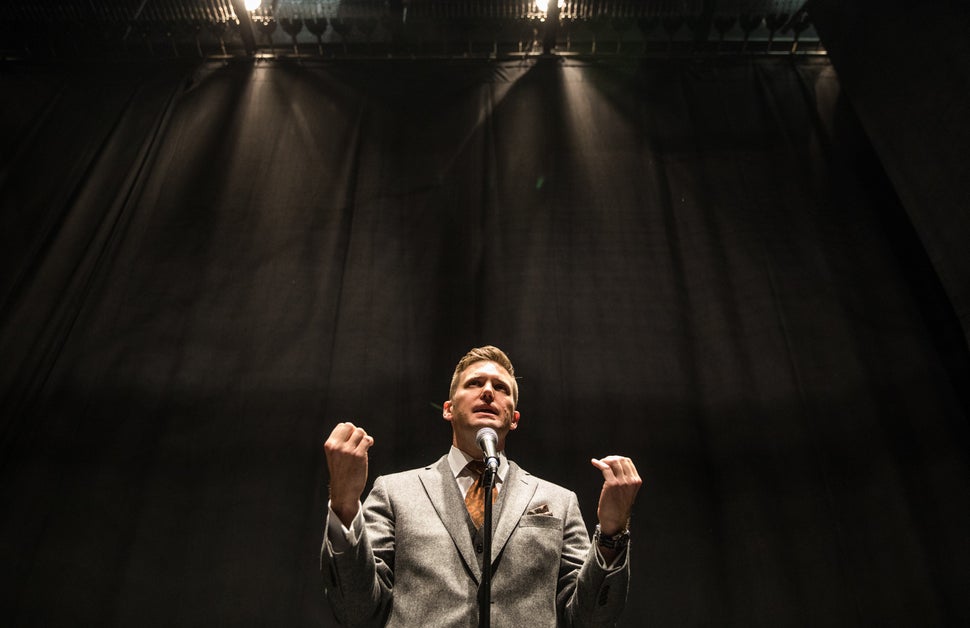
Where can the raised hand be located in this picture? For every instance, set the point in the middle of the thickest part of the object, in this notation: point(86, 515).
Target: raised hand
point(620, 485)
point(346, 450)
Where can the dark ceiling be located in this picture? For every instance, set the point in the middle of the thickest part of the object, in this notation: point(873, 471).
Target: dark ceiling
point(395, 28)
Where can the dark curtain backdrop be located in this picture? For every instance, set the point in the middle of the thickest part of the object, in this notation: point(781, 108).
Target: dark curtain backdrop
point(914, 107)
point(698, 263)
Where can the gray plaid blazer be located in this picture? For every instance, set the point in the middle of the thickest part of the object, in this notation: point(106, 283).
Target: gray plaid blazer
point(418, 563)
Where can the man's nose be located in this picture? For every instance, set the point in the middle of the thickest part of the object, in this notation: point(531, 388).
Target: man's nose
point(487, 392)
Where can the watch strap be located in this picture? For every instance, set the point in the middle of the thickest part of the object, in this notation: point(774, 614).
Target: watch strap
point(616, 541)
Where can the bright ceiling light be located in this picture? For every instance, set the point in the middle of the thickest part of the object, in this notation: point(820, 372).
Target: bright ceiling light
point(252, 5)
point(542, 5)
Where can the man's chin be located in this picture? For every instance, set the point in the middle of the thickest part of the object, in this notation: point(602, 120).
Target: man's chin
point(487, 420)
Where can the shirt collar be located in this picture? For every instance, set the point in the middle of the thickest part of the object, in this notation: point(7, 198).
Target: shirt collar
point(458, 460)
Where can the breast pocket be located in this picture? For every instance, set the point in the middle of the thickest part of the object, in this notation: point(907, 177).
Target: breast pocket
point(541, 537)
point(540, 521)
point(529, 565)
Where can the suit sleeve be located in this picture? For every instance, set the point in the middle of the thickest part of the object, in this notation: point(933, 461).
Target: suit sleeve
point(590, 593)
point(359, 581)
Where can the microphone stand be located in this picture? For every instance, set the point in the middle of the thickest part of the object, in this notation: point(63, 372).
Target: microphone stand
point(485, 591)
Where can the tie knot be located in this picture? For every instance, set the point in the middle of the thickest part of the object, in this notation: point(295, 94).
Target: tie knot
point(476, 467)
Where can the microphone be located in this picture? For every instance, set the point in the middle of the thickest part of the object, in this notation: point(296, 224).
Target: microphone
point(487, 439)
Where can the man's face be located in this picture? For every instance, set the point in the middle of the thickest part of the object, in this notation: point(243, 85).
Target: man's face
point(483, 398)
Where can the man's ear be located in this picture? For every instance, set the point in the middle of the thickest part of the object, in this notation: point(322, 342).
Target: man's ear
point(446, 411)
point(515, 420)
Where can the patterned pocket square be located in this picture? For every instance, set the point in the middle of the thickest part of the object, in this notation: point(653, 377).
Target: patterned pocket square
point(540, 510)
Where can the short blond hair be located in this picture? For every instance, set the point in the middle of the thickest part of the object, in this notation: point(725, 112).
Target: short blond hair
point(488, 353)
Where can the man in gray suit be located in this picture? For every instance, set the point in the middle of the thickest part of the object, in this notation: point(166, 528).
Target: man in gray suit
point(411, 555)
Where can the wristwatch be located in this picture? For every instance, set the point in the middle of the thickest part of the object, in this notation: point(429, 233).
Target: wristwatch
point(616, 541)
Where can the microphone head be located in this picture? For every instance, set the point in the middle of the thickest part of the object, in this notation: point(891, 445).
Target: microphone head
point(486, 434)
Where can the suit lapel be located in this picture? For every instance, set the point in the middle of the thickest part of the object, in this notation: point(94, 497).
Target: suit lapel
point(442, 490)
point(518, 491)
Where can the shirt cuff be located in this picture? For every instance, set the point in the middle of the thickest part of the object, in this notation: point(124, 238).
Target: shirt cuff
point(613, 565)
point(340, 537)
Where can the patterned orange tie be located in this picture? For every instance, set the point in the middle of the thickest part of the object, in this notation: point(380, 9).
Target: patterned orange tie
point(475, 497)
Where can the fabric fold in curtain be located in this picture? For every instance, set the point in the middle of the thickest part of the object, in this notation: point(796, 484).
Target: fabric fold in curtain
point(697, 263)
point(914, 110)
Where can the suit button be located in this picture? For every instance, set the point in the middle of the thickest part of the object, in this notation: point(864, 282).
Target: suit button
point(479, 548)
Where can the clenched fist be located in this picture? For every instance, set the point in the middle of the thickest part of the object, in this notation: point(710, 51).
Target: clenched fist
point(346, 450)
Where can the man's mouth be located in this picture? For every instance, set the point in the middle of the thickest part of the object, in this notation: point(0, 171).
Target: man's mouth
point(488, 409)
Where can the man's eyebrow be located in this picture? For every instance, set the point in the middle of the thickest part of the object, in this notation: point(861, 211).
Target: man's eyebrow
point(492, 376)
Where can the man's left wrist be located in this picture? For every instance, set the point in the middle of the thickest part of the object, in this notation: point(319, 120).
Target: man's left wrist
point(617, 541)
